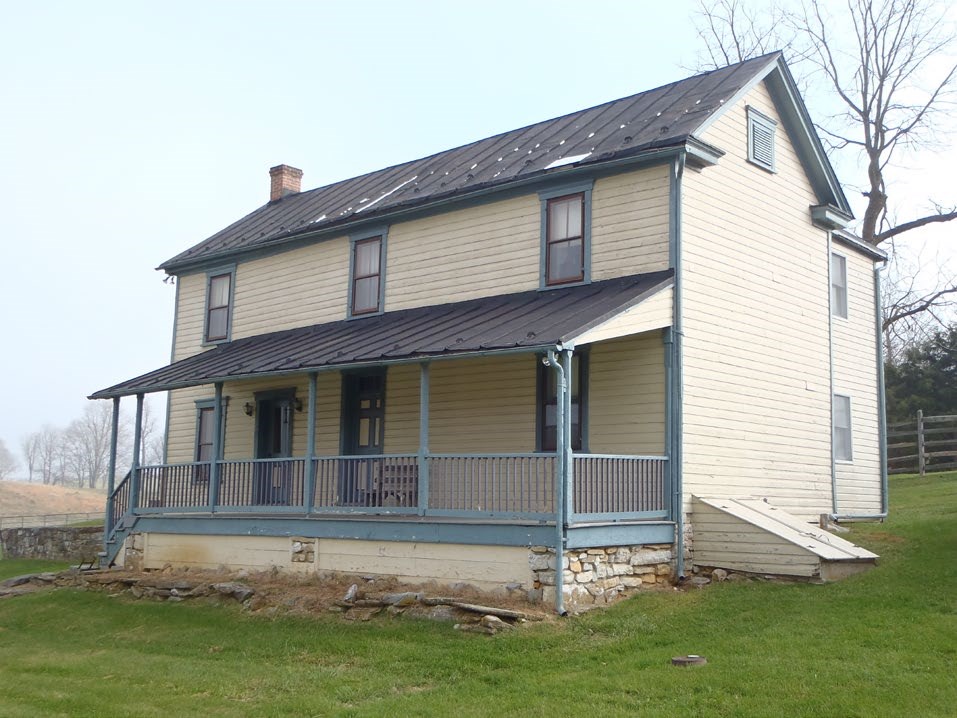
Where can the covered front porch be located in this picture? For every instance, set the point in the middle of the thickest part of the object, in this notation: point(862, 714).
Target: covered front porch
point(560, 440)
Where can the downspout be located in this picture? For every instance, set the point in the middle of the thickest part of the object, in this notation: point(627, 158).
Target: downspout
point(881, 407)
point(830, 374)
point(552, 360)
point(675, 457)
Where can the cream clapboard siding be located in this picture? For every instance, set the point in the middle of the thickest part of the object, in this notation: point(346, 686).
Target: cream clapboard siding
point(483, 405)
point(629, 225)
point(653, 313)
point(297, 288)
point(855, 375)
point(476, 252)
point(190, 304)
point(755, 310)
point(626, 396)
point(725, 541)
point(464, 254)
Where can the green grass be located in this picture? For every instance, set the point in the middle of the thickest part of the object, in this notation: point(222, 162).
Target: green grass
point(882, 643)
point(20, 566)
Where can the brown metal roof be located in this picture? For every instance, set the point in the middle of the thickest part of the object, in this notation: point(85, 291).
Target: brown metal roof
point(657, 119)
point(525, 320)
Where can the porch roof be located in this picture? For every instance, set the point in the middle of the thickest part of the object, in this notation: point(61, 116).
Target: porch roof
point(508, 322)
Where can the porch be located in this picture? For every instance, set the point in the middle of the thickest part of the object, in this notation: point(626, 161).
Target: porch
point(521, 422)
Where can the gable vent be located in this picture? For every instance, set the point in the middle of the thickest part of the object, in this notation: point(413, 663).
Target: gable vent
point(761, 131)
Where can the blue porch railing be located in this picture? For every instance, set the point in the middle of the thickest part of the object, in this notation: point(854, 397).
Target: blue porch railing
point(471, 486)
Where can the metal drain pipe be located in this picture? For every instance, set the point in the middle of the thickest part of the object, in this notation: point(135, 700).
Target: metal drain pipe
point(551, 359)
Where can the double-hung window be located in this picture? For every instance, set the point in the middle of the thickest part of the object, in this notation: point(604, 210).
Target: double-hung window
point(838, 286)
point(841, 419)
point(566, 230)
point(548, 405)
point(206, 436)
point(366, 285)
point(219, 295)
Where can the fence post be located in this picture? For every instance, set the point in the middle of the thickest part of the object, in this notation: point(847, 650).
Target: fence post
point(921, 463)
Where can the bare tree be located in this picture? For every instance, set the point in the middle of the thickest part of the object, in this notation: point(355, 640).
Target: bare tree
point(882, 62)
point(30, 447)
point(152, 442)
point(8, 463)
point(49, 462)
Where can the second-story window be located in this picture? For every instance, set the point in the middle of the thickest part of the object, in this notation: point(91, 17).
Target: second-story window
point(218, 306)
point(366, 276)
point(839, 286)
point(565, 240)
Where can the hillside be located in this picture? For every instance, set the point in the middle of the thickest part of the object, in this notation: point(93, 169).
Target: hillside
point(19, 499)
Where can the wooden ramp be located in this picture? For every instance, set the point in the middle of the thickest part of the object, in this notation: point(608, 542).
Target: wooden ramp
point(753, 536)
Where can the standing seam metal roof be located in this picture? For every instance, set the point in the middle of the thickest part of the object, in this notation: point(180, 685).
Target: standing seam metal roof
point(663, 117)
point(504, 322)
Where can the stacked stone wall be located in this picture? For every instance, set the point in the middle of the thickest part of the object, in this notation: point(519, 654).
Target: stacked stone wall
point(52, 543)
point(601, 575)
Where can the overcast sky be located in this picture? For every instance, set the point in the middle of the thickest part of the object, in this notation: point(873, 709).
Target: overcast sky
point(130, 131)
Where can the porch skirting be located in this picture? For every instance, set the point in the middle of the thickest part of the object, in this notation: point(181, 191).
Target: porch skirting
point(504, 557)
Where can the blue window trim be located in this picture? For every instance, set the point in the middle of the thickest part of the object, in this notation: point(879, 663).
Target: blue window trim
point(210, 404)
point(757, 118)
point(218, 272)
point(382, 232)
point(583, 187)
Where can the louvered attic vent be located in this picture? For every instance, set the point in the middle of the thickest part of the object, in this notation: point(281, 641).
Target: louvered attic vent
point(761, 130)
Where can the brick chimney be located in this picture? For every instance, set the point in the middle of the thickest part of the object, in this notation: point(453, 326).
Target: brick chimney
point(284, 180)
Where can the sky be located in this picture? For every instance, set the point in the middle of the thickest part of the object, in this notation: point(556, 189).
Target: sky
point(130, 131)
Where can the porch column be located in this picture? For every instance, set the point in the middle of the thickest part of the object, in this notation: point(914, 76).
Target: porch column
point(217, 447)
point(111, 470)
point(310, 491)
point(669, 498)
point(135, 466)
point(424, 389)
point(569, 449)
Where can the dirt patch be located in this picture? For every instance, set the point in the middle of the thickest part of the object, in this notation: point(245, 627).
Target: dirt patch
point(20, 499)
point(272, 593)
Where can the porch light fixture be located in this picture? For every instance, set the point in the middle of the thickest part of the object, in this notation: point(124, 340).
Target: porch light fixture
point(297, 405)
point(248, 409)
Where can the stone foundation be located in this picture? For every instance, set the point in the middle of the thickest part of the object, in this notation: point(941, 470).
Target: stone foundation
point(600, 575)
point(53, 543)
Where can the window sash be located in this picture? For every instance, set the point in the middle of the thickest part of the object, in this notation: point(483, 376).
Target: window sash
point(843, 448)
point(366, 275)
point(839, 286)
point(217, 307)
point(565, 239)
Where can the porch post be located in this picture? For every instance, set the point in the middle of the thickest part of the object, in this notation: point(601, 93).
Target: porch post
point(217, 447)
point(111, 470)
point(135, 466)
point(310, 492)
point(423, 459)
point(569, 449)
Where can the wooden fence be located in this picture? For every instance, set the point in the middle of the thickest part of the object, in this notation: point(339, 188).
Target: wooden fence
point(927, 443)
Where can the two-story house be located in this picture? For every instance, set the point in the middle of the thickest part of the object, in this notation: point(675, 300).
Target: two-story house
point(635, 335)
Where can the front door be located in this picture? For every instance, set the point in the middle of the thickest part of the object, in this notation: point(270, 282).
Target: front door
point(363, 424)
point(273, 441)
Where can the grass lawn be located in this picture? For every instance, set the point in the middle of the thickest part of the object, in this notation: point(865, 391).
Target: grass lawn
point(879, 644)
